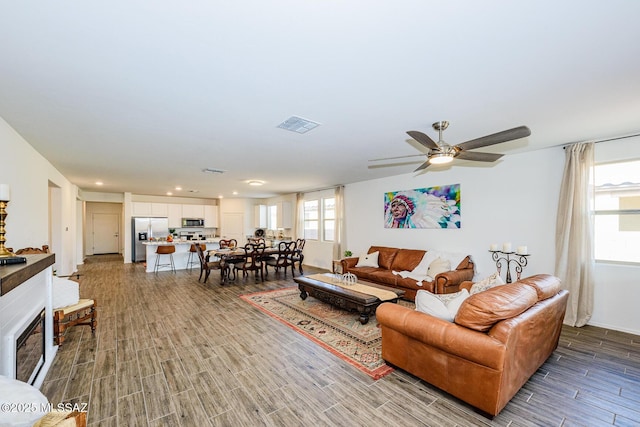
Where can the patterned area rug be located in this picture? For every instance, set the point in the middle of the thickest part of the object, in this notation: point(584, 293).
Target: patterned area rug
point(337, 330)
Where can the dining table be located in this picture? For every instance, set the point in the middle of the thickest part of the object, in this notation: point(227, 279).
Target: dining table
point(228, 255)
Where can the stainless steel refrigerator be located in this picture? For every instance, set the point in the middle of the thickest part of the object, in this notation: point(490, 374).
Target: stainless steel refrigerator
point(142, 230)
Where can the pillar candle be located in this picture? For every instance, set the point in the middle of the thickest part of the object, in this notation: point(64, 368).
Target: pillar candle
point(493, 247)
point(522, 250)
point(5, 192)
point(506, 247)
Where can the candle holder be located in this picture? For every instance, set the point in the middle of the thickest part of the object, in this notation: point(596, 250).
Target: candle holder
point(506, 259)
point(4, 253)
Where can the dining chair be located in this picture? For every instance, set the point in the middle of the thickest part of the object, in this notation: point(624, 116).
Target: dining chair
point(297, 255)
point(206, 265)
point(253, 261)
point(283, 259)
point(228, 243)
point(231, 260)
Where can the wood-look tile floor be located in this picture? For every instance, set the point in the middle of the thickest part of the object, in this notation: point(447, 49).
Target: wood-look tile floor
point(170, 351)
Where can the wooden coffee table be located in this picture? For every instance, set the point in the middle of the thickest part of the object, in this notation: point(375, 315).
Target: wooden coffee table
point(343, 297)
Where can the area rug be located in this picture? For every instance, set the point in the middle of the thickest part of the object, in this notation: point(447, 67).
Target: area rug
point(338, 331)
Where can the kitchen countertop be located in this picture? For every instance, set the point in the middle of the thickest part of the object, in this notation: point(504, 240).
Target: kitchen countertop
point(180, 242)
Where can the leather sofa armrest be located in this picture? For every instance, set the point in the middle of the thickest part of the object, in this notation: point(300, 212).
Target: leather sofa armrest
point(467, 284)
point(442, 335)
point(348, 263)
point(449, 282)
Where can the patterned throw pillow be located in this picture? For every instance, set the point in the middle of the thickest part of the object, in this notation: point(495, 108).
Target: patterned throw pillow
point(443, 306)
point(486, 283)
point(369, 260)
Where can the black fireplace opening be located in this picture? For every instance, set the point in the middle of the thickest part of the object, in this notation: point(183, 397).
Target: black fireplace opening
point(30, 350)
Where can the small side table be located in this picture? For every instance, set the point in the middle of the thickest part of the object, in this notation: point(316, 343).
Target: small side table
point(337, 266)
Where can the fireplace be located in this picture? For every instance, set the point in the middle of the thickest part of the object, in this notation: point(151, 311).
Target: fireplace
point(30, 350)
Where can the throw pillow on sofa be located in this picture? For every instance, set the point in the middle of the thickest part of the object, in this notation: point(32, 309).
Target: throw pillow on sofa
point(486, 283)
point(368, 260)
point(439, 265)
point(442, 306)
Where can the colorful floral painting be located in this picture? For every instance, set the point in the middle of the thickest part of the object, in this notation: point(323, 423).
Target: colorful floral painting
point(433, 207)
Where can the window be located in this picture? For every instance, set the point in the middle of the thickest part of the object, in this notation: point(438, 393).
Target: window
point(311, 219)
point(617, 211)
point(272, 217)
point(329, 219)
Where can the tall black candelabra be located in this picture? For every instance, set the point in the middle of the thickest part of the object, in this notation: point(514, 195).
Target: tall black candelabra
point(506, 259)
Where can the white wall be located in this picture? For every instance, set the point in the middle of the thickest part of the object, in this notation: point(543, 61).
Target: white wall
point(30, 175)
point(512, 201)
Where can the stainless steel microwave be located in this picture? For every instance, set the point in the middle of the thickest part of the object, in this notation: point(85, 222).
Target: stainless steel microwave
point(192, 222)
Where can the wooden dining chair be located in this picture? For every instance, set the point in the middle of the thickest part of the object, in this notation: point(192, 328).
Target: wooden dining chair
point(297, 255)
point(253, 260)
point(206, 265)
point(283, 259)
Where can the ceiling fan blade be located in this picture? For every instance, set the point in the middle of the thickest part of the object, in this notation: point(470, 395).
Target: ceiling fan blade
point(423, 166)
point(496, 138)
point(398, 157)
point(478, 157)
point(423, 139)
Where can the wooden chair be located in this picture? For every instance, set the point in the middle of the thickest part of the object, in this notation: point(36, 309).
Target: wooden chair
point(194, 254)
point(231, 244)
point(82, 313)
point(207, 265)
point(298, 256)
point(31, 251)
point(228, 243)
point(252, 260)
point(284, 258)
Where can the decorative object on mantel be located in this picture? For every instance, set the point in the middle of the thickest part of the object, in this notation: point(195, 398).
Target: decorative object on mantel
point(5, 196)
point(506, 256)
point(432, 207)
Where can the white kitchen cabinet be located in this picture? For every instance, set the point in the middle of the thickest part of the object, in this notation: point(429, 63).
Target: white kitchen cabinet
point(141, 209)
point(175, 215)
point(192, 211)
point(159, 209)
point(260, 216)
point(285, 215)
point(210, 216)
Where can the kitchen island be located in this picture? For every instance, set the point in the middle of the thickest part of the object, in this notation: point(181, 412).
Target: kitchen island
point(180, 256)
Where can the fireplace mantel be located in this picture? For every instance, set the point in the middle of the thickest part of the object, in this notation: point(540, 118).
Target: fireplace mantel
point(13, 275)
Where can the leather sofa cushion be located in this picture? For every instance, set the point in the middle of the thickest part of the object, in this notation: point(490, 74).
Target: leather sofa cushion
point(407, 259)
point(484, 309)
point(545, 285)
point(386, 257)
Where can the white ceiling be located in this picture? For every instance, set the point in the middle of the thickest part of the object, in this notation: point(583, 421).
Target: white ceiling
point(143, 95)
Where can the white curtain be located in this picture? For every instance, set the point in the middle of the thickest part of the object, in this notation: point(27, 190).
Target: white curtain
point(339, 224)
point(299, 221)
point(574, 233)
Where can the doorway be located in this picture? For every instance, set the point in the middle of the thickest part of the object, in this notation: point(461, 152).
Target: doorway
point(233, 227)
point(106, 233)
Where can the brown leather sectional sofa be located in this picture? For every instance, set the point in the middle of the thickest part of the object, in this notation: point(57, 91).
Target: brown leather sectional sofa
point(395, 259)
point(499, 338)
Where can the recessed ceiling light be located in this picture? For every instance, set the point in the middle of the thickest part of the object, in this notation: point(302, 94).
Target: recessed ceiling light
point(178, 188)
point(220, 196)
point(255, 182)
point(235, 193)
point(298, 124)
point(169, 193)
point(98, 182)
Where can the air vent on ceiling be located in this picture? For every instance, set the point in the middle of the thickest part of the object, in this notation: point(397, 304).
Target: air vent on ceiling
point(213, 170)
point(298, 124)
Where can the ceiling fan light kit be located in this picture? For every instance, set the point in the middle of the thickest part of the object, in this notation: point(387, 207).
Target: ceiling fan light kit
point(441, 153)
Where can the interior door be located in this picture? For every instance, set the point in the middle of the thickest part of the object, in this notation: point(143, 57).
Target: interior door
point(233, 227)
point(106, 233)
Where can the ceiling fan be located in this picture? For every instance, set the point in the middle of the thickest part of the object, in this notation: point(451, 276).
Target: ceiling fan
point(440, 152)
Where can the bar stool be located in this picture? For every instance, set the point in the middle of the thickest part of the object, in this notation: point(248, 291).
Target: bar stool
point(165, 250)
point(193, 256)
